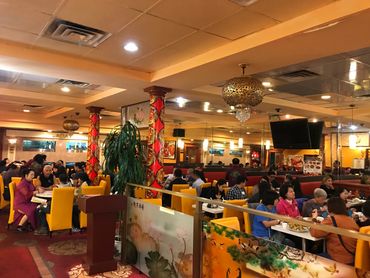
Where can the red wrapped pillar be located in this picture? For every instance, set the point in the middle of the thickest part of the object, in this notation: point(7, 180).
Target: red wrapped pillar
point(155, 138)
point(92, 163)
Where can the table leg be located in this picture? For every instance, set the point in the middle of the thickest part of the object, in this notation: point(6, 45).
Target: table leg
point(303, 244)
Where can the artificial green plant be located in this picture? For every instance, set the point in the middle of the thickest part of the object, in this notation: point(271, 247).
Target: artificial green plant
point(124, 156)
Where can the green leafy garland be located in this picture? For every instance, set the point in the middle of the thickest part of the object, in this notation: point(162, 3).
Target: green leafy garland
point(124, 156)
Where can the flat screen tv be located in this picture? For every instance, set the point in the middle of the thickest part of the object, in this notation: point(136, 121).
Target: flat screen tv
point(316, 134)
point(292, 134)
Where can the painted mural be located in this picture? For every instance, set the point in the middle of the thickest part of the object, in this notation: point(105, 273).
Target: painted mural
point(160, 241)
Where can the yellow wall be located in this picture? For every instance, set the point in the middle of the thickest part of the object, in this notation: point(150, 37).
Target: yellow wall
point(349, 154)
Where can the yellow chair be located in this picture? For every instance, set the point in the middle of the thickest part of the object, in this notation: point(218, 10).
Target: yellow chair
point(231, 212)
point(154, 201)
point(176, 201)
point(60, 216)
point(108, 185)
point(249, 191)
point(362, 255)
point(139, 193)
point(16, 180)
point(103, 183)
point(57, 180)
point(226, 189)
point(89, 190)
point(3, 203)
point(214, 182)
point(11, 208)
point(230, 222)
point(247, 222)
point(205, 185)
point(186, 203)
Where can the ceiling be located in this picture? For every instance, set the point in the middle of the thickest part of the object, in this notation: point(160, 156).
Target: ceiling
point(189, 46)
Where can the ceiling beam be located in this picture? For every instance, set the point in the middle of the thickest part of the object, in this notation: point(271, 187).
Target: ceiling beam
point(102, 95)
point(58, 112)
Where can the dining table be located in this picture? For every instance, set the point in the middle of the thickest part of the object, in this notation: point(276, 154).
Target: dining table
point(47, 194)
point(304, 235)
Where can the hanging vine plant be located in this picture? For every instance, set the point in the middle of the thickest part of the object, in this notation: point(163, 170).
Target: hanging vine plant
point(124, 156)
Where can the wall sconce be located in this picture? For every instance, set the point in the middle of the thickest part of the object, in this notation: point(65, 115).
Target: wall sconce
point(12, 141)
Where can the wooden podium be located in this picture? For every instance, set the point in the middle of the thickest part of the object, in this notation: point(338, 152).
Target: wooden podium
point(101, 224)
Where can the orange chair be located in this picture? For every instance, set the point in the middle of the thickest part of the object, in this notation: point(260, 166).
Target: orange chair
point(16, 180)
point(362, 254)
point(176, 201)
point(234, 213)
point(214, 182)
point(230, 222)
point(11, 209)
point(89, 190)
point(205, 185)
point(108, 186)
point(186, 203)
point(3, 203)
point(247, 222)
point(154, 201)
point(139, 193)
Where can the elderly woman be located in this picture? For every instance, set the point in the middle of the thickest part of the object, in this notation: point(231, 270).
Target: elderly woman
point(340, 248)
point(287, 204)
point(316, 204)
point(24, 209)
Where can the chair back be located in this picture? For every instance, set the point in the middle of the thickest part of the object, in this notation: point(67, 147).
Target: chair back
point(176, 201)
point(362, 254)
point(186, 203)
point(61, 209)
point(89, 190)
point(57, 180)
point(234, 213)
point(16, 180)
point(139, 193)
point(103, 183)
point(247, 223)
point(11, 208)
point(214, 182)
point(154, 201)
point(92, 190)
point(249, 191)
point(108, 185)
point(226, 189)
point(230, 222)
point(205, 185)
point(3, 203)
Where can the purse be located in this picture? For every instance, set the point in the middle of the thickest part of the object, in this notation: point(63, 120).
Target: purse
point(340, 237)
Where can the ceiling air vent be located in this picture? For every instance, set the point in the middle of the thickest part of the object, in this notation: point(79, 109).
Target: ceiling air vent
point(78, 84)
point(298, 75)
point(32, 106)
point(74, 33)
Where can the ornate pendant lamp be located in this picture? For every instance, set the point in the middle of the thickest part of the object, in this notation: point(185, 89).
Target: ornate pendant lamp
point(243, 93)
point(71, 125)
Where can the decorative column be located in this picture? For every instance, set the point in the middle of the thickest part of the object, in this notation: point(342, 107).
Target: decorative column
point(92, 163)
point(155, 138)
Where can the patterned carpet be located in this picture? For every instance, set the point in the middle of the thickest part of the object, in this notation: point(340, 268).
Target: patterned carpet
point(59, 256)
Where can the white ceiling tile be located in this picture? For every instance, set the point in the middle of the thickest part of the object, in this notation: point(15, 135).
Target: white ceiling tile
point(28, 20)
point(109, 15)
point(149, 32)
point(241, 24)
point(46, 6)
point(140, 5)
point(184, 49)
point(195, 13)
point(60, 46)
point(286, 9)
point(17, 36)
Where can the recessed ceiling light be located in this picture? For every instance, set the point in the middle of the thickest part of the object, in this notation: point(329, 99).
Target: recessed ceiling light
point(266, 84)
point(232, 107)
point(271, 90)
point(287, 116)
point(220, 110)
point(65, 89)
point(325, 97)
point(248, 133)
point(49, 130)
point(191, 139)
point(80, 132)
point(181, 101)
point(100, 117)
point(314, 120)
point(131, 47)
point(26, 110)
point(231, 131)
